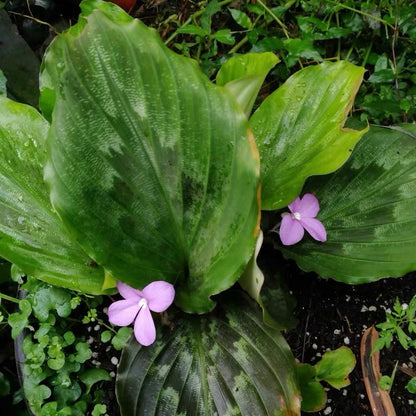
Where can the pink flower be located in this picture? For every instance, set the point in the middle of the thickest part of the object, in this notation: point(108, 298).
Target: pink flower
point(301, 217)
point(136, 306)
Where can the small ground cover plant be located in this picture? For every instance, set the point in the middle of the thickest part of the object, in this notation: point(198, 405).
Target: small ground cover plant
point(399, 326)
point(57, 363)
point(140, 170)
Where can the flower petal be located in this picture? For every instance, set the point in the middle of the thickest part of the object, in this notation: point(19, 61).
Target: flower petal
point(315, 228)
point(123, 312)
point(294, 205)
point(308, 206)
point(144, 327)
point(291, 231)
point(128, 292)
point(159, 295)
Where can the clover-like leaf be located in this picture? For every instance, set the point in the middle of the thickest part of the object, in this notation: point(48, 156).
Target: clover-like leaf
point(368, 209)
point(46, 299)
point(226, 362)
point(300, 131)
point(151, 165)
point(20, 320)
point(31, 233)
point(94, 375)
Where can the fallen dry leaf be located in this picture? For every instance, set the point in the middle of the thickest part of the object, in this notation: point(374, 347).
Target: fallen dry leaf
point(380, 400)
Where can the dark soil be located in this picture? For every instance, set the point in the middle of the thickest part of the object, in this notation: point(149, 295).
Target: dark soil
point(333, 314)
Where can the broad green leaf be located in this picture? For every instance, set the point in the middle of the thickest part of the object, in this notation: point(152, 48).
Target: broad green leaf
point(243, 76)
point(335, 367)
point(225, 363)
point(313, 393)
point(31, 234)
point(48, 299)
point(368, 209)
point(300, 131)
point(151, 165)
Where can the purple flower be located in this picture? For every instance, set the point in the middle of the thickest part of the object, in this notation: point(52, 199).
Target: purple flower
point(136, 306)
point(301, 217)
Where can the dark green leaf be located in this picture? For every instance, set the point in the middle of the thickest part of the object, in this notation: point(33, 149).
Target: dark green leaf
point(193, 30)
point(4, 385)
point(166, 184)
point(227, 362)
point(368, 210)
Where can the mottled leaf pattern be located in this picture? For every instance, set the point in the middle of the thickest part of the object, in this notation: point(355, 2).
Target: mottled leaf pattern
point(368, 209)
point(225, 363)
point(151, 165)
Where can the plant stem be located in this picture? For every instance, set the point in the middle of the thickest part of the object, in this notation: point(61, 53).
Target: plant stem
point(9, 298)
point(191, 18)
point(279, 22)
point(237, 46)
point(370, 16)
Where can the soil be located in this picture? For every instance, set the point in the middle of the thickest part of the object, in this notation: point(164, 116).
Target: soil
point(333, 314)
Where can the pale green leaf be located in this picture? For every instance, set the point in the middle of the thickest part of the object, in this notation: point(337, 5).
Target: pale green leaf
point(151, 165)
point(335, 367)
point(299, 129)
point(243, 76)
